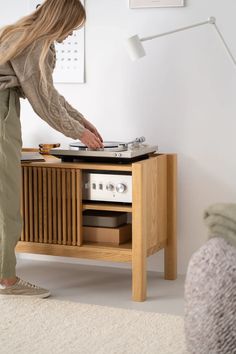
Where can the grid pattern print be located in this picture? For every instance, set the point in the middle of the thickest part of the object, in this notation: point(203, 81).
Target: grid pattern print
point(70, 55)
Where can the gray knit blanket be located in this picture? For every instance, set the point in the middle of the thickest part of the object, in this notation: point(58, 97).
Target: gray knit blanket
point(210, 299)
point(210, 287)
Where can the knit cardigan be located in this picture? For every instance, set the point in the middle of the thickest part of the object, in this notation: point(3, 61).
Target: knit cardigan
point(23, 74)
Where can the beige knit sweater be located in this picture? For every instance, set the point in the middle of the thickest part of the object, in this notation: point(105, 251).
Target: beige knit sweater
point(23, 73)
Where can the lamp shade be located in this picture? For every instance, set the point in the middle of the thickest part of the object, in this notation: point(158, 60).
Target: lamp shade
point(135, 48)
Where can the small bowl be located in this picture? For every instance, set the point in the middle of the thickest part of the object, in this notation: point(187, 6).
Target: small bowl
point(44, 149)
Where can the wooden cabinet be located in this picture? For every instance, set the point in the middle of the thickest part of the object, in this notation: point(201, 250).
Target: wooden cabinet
point(52, 207)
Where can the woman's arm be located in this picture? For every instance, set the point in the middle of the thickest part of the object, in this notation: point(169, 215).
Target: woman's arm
point(79, 117)
point(47, 104)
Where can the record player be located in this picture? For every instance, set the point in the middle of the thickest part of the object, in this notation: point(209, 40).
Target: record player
point(118, 152)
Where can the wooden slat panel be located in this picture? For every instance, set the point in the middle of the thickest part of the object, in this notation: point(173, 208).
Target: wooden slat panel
point(59, 210)
point(64, 224)
point(26, 205)
point(49, 198)
point(35, 206)
point(45, 207)
point(40, 204)
point(31, 210)
point(69, 206)
point(79, 207)
point(73, 213)
point(54, 205)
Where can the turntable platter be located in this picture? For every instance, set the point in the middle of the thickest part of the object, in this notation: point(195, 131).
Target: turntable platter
point(108, 146)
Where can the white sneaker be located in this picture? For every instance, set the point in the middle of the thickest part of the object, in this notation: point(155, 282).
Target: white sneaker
point(23, 288)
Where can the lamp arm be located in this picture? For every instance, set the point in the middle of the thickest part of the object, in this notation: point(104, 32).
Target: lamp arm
point(211, 20)
point(173, 31)
point(225, 44)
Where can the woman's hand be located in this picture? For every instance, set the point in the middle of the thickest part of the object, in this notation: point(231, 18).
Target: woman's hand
point(91, 140)
point(92, 128)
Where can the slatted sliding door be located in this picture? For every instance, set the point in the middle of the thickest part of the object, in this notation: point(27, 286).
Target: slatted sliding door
point(51, 205)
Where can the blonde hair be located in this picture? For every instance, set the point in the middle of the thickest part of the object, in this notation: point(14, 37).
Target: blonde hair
point(52, 21)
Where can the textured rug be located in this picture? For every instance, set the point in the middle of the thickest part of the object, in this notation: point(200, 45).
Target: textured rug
point(52, 326)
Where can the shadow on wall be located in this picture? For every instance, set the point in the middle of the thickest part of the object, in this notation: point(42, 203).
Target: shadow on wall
point(199, 185)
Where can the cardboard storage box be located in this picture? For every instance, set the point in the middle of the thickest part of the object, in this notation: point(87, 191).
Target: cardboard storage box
point(104, 218)
point(116, 235)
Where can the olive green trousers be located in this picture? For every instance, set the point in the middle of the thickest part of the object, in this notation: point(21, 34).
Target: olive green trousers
point(10, 180)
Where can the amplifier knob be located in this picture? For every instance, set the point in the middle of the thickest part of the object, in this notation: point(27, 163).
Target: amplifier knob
point(121, 187)
point(110, 187)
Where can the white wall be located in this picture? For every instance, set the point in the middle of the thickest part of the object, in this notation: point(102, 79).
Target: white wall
point(180, 96)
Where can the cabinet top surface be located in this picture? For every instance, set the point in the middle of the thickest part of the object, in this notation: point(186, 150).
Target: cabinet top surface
point(54, 162)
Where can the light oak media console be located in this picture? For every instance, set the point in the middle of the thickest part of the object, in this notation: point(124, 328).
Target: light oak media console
point(52, 208)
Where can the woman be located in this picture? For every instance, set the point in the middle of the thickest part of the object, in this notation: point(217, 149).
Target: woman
point(27, 60)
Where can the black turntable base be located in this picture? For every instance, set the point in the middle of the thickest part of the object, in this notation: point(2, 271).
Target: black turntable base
point(101, 159)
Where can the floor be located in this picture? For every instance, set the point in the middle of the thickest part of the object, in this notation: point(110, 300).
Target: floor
point(102, 285)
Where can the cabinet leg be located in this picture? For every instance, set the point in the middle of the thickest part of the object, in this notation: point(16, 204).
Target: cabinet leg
point(170, 266)
point(170, 252)
point(139, 233)
point(139, 278)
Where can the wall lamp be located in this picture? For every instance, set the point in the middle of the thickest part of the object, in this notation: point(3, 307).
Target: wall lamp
point(135, 44)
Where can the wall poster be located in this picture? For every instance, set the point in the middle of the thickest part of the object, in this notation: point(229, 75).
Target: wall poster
point(135, 4)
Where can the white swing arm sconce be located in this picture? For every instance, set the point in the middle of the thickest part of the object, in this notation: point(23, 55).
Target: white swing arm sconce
point(135, 43)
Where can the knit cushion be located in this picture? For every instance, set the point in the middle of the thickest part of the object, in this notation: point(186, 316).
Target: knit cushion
point(210, 295)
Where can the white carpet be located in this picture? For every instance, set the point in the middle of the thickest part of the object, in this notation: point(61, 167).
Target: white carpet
point(52, 326)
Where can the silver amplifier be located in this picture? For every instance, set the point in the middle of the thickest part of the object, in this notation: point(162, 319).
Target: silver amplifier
point(107, 187)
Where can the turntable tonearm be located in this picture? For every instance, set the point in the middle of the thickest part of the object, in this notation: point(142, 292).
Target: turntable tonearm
point(122, 152)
